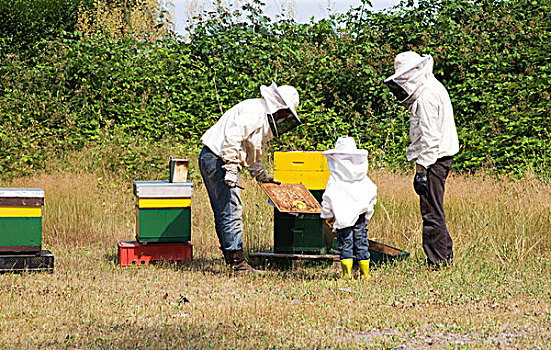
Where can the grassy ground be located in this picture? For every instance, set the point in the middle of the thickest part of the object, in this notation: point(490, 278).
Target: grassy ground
point(497, 294)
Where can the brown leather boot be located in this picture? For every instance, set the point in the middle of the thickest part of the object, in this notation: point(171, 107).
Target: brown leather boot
point(238, 263)
point(226, 256)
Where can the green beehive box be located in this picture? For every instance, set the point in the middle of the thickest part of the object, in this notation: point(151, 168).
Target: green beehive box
point(302, 233)
point(164, 225)
point(21, 220)
point(163, 211)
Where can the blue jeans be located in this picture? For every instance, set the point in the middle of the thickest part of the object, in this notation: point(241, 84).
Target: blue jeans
point(225, 201)
point(353, 240)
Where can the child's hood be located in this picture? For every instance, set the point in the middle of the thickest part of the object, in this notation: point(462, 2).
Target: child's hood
point(349, 167)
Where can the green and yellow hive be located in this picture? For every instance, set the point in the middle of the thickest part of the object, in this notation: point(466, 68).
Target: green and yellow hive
point(21, 220)
point(301, 233)
point(163, 211)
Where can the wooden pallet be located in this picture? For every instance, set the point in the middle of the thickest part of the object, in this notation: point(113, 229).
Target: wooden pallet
point(290, 260)
point(27, 262)
point(380, 253)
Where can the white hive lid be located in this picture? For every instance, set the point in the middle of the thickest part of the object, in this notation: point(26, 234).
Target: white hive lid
point(13, 192)
point(163, 189)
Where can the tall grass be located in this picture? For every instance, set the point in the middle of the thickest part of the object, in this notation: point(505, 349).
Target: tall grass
point(495, 295)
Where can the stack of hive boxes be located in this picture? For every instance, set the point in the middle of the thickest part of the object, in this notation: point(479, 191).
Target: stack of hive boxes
point(163, 211)
point(302, 233)
point(21, 230)
point(163, 223)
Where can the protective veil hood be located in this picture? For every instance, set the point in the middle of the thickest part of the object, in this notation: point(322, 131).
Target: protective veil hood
point(411, 72)
point(281, 98)
point(346, 162)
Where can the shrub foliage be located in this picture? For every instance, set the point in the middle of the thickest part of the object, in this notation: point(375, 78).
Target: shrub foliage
point(492, 55)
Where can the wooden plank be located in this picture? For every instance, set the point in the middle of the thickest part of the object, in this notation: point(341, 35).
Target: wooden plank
point(21, 202)
point(271, 254)
point(178, 170)
point(19, 248)
point(292, 198)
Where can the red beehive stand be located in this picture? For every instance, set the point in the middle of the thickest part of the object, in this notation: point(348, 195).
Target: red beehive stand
point(135, 253)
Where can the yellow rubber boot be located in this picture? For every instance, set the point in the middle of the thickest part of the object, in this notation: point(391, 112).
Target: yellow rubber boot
point(346, 265)
point(364, 270)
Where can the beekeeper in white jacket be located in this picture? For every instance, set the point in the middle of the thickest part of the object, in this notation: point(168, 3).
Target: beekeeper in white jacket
point(348, 203)
point(237, 141)
point(433, 138)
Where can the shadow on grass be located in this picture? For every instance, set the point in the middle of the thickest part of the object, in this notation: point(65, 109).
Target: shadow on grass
point(281, 269)
point(214, 266)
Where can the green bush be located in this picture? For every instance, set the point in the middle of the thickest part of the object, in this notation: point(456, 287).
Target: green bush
point(493, 56)
point(25, 22)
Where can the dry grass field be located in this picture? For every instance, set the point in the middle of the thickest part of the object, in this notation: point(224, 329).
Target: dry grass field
point(496, 295)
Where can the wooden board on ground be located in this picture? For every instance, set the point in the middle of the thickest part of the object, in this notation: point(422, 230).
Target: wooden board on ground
point(268, 258)
point(379, 253)
point(292, 198)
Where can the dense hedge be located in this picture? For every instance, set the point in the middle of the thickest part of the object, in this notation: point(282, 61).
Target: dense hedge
point(24, 22)
point(494, 58)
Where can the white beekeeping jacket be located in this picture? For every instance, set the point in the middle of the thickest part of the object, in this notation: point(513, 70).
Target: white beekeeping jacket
point(432, 131)
point(240, 135)
point(349, 191)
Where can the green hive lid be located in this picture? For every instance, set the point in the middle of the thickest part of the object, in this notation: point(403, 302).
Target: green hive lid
point(163, 189)
point(6, 192)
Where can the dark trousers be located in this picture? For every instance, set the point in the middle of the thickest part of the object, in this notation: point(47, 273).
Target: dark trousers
point(437, 242)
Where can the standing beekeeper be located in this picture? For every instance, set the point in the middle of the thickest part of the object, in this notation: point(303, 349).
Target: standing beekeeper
point(237, 141)
point(433, 140)
point(348, 203)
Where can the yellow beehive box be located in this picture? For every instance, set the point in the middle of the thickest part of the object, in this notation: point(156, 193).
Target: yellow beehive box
point(300, 161)
point(307, 168)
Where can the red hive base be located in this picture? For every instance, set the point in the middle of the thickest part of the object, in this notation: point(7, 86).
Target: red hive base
point(135, 253)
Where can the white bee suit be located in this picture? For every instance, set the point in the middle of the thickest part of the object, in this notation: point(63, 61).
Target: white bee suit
point(432, 130)
point(349, 191)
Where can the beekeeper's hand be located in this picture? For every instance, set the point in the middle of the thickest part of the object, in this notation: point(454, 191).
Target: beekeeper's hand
point(231, 178)
point(258, 171)
point(330, 222)
point(420, 181)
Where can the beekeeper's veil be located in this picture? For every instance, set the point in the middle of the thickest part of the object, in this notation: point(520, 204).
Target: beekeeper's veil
point(281, 98)
point(411, 72)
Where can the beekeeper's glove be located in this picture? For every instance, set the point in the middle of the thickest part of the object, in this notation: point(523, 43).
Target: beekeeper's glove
point(330, 222)
point(231, 178)
point(420, 181)
point(258, 171)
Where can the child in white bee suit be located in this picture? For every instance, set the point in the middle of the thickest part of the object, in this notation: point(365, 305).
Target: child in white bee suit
point(348, 203)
